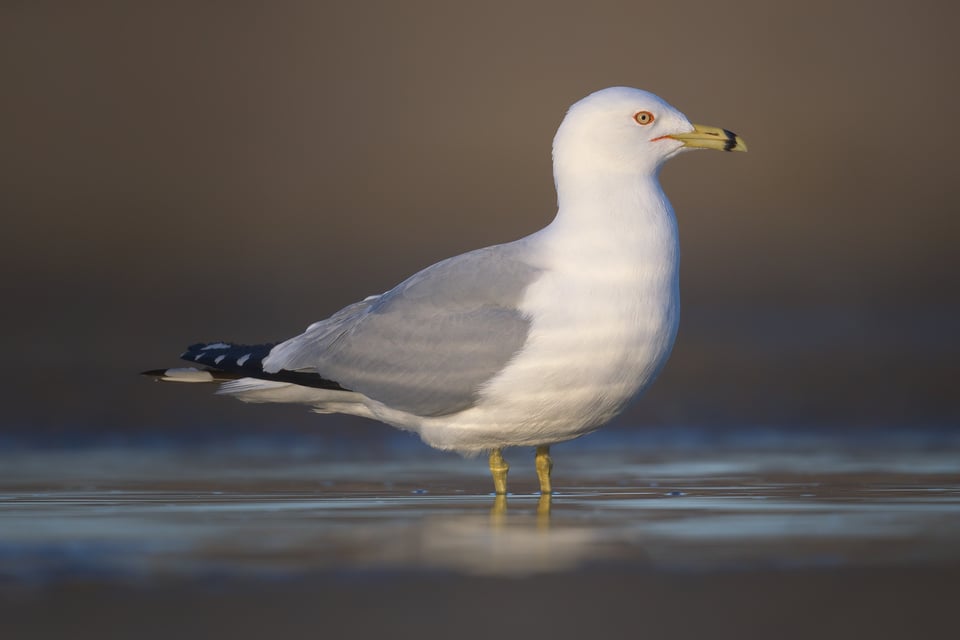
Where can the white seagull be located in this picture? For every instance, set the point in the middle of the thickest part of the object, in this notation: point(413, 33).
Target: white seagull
point(528, 343)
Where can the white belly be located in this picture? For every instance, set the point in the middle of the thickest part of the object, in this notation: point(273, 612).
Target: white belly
point(597, 339)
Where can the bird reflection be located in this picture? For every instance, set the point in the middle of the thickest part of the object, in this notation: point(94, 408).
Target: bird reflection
point(498, 511)
point(543, 510)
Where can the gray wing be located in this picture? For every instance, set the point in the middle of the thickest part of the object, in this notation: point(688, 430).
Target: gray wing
point(428, 345)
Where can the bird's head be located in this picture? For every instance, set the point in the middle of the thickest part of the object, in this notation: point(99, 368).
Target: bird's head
point(624, 130)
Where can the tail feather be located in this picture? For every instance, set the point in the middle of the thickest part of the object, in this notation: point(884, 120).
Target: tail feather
point(224, 361)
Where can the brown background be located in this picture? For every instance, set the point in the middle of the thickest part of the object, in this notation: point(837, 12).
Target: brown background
point(174, 172)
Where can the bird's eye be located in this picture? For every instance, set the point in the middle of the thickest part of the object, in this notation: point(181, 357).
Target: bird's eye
point(643, 117)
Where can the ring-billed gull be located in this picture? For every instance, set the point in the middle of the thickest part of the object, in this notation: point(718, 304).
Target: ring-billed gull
point(528, 343)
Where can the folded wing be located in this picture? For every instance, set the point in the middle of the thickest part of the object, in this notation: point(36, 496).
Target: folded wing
point(428, 345)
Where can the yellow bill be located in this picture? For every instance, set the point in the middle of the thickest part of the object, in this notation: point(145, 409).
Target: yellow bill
point(704, 137)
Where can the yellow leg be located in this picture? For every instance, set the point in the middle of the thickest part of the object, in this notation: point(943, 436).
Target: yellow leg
point(499, 468)
point(544, 467)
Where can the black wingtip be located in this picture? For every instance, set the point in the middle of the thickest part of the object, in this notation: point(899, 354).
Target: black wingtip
point(227, 361)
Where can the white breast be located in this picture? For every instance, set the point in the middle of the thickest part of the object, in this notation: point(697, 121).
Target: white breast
point(604, 316)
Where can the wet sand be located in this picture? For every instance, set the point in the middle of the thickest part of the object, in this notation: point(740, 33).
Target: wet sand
point(677, 542)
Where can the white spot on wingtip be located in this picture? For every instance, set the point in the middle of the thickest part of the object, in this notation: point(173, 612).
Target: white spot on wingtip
point(218, 359)
point(216, 345)
point(243, 359)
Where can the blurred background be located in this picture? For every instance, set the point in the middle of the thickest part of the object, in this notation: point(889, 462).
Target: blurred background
point(176, 172)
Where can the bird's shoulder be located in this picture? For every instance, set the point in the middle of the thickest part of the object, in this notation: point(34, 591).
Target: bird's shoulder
point(491, 277)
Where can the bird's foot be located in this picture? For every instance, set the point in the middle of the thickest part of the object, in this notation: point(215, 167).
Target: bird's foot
point(499, 469)
point(544, 467)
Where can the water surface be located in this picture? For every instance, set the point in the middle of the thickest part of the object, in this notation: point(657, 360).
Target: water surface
point(770, 526)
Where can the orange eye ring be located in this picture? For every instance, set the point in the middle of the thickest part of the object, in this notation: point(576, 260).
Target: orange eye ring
point(643, 117)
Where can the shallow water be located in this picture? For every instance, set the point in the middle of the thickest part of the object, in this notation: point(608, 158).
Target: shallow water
point(138, 513)
point(170, 520)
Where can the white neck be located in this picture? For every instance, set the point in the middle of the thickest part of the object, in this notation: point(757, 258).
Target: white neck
point(609, 217)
